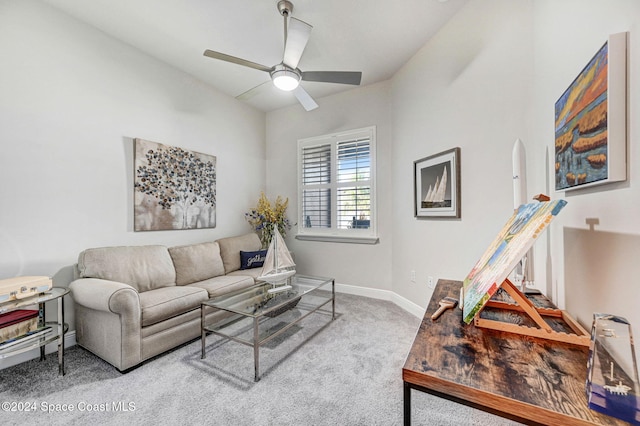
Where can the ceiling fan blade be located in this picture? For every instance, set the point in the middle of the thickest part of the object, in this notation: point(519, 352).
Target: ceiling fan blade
point(298, 34)
point(234, 60)
point(254, 91)
point(305, 99)
point(342, 77)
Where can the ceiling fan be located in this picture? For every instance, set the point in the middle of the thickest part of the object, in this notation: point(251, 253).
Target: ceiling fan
point(286, 75)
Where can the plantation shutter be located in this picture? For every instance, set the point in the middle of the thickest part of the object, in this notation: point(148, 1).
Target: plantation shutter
point(316, 190)
point(353, 196)
point(336, 187)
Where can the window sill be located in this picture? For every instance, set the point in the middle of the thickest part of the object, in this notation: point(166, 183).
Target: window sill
point(338, 239)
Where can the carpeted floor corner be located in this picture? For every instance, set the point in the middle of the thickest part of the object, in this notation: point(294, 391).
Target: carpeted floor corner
point(320, 372)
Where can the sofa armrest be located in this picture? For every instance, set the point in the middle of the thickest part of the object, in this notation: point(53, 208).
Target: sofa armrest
point(108, 320)
point(105, 295)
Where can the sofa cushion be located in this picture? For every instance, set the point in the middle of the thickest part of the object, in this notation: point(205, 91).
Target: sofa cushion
point(163, 303)
point(253, 273)
point(224, 284)
point(230, 249)
point(196, 262)
point(142, 267)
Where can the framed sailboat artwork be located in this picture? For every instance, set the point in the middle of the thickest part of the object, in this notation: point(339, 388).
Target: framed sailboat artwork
point(437, 185)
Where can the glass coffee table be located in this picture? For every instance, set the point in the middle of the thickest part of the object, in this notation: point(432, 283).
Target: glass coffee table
point(256, 316)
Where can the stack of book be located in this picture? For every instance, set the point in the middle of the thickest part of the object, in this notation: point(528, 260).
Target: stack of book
point(20, 326)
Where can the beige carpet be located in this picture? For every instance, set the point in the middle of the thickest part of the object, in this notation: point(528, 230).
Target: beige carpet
point(323, 372)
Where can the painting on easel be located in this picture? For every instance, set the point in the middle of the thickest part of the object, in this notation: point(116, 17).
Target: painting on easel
point(512, 243)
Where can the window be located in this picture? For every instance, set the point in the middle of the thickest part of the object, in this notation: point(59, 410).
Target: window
point(337, 187)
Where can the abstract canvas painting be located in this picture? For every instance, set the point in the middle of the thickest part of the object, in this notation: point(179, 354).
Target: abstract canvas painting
point(512, 243)
point(174, 188)
point(590, 121)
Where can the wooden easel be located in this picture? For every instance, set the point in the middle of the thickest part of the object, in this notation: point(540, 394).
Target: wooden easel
point(544, 331)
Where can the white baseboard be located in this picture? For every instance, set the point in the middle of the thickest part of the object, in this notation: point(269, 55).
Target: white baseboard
point(414, 309)
point(375, 293)
point(69, 340)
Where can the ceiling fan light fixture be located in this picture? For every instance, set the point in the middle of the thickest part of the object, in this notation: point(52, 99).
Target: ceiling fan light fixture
point(285, 80)
point(286, 75)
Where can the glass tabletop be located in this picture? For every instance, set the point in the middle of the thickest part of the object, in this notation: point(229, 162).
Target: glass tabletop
point(51, 294)
point(257, 301)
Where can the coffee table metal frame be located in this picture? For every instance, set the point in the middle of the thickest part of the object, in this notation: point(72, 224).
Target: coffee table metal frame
point(306, 286)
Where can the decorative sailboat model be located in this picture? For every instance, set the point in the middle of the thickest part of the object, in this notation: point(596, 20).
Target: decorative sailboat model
point(278, 265)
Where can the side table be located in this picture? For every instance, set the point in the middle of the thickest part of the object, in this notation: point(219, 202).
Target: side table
point(57, 332)
point(527, 379)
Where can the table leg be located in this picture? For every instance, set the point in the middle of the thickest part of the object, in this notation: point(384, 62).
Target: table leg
point(407, 404)
point(41, 322)
point(203, 333)
point(256, 350)
point(60, 336)
point(333, 302)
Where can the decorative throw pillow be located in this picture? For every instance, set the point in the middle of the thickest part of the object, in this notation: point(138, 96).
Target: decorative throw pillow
point(252, 259)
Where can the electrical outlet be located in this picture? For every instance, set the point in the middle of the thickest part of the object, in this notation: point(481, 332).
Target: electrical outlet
point(413, 276)
point(430, 282)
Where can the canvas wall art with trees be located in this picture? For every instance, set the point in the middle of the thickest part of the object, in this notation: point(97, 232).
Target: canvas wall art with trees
point(174, 188)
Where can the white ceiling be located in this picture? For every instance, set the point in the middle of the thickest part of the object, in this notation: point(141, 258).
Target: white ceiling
point(373, 36)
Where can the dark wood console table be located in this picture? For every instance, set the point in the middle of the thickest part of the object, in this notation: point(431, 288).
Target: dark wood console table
point(526, 379)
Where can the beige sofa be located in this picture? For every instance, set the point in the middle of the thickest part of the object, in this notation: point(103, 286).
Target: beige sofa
point(135, 302)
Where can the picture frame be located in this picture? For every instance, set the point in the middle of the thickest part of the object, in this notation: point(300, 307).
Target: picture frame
point(437, 185)
point(174, 188)
point(590, 121)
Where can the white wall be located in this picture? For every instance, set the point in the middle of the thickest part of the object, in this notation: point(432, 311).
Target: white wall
point(567, 35)
point(491, 75)
point(71, 101)
point(360, 265)
point(468, 87)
